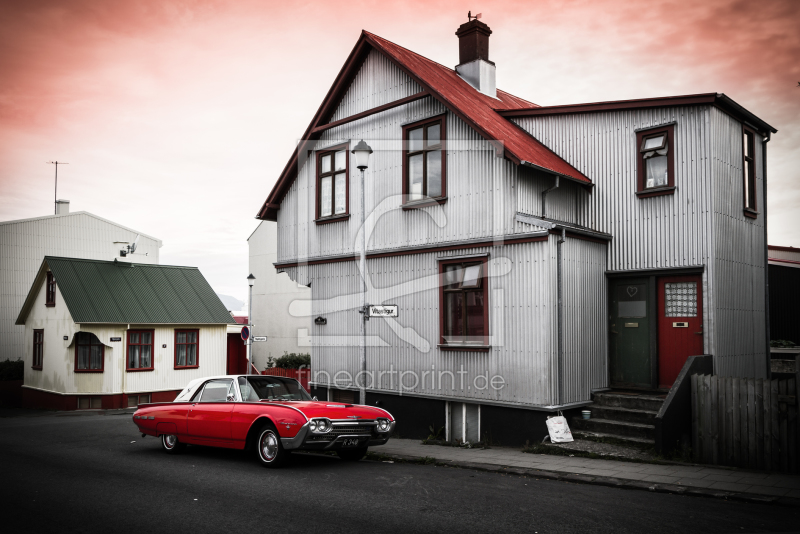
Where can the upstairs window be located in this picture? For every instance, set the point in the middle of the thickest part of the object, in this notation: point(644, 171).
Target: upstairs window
point(89, 353)
point(140, 350)
point(655, 161)
point(38, 349)
point(424, 176)
point(50, 299)
point(464, 304)
point(749, 165)
point(333, 185)
point(187, 349)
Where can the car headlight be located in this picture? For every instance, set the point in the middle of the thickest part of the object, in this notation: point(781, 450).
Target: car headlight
point(320, 426)
point(383, 425)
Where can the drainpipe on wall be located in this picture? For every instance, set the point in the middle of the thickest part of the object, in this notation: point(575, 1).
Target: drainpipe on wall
point(764, 141)
point(560, 311)
point(544, 197)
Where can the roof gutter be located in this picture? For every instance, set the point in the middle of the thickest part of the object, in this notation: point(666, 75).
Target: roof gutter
point(764, 141)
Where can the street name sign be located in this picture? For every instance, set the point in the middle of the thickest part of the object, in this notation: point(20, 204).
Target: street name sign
point(387, 310)
point(259, 338)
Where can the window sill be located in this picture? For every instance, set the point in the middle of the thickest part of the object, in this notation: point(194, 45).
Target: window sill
point(50, 304)
point(36, 368)
point(656, 192)
point(425, 203)
point(88, 370)
point(466, 348)
point(335, 218)
point(753, 214)
point(178, 368)
point(139, 370)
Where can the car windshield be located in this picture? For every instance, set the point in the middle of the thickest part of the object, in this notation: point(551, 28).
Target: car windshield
point(258, 388)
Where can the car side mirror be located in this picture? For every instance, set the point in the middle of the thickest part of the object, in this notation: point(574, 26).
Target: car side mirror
point(314, 398)
point(231, 398)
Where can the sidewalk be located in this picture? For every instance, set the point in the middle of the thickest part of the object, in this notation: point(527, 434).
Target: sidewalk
point(673, 478)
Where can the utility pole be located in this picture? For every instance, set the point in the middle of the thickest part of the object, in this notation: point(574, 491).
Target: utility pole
point(55, 195)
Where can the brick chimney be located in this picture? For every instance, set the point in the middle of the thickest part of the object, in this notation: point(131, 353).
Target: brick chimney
point(473, 57)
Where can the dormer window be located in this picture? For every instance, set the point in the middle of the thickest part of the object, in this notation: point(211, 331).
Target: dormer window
point(50, 299)
point(332, 185)
point(655, 163)
point(424, 177)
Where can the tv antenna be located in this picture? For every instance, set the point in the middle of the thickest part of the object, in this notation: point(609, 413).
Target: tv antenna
point(55, 196)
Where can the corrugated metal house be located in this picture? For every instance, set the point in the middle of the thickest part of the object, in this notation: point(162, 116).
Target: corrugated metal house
point(23, 244)
point(536, 254)
point(110, 334)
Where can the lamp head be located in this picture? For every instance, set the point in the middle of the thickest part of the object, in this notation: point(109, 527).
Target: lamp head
point(362, 151)
point(251, 280)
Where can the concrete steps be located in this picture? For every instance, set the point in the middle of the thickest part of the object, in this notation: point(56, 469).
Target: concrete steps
point(620, 416)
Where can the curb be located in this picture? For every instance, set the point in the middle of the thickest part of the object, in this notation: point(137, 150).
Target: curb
point(608, 481)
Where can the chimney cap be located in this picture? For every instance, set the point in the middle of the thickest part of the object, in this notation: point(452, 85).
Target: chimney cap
point(473, 26)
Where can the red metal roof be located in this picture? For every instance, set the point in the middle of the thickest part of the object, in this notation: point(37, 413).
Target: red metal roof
point(475, 108)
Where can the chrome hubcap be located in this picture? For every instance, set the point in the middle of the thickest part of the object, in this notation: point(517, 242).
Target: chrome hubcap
point(170, 441)
point(269, 446)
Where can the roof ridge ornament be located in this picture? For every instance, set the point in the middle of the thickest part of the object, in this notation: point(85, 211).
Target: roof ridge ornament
point(476, 17)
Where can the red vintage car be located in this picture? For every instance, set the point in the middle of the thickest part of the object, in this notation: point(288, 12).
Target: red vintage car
point(272, 414)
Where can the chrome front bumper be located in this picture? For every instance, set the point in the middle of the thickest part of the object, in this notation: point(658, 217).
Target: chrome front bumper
point(301, 441)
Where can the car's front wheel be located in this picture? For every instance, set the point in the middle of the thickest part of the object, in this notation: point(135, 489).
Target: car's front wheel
point(352, 455)
point(269, 449)
point(170, 443)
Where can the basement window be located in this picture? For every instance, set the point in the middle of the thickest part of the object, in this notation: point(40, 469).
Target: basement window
point(333, 185)
point(50, 299)
point(89, 353)
point(424, 165)
point(140, 350)
point(464, 305)
point(749, 166)
point(655, 167)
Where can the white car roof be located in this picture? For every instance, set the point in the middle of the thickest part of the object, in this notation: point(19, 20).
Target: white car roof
point(192, 386)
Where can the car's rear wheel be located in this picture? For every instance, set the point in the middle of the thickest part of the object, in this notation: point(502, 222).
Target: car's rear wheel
point(170, 443)
point(352, 455)
point(269, 449)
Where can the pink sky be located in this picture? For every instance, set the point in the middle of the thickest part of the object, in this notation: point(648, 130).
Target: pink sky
point(177, 117)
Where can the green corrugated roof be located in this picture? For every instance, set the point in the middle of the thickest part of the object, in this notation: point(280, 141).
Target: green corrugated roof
point(120, 292)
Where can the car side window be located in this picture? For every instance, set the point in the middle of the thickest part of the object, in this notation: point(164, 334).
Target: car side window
point(216, 391)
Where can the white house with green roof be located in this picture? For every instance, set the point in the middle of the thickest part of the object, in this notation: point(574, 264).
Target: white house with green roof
point(109, 334)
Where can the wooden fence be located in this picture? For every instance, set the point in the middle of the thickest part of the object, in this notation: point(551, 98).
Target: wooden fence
point(745, 422)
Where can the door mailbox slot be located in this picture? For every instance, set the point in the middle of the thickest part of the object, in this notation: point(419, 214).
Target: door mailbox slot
point(680, 325)
point(631, 325)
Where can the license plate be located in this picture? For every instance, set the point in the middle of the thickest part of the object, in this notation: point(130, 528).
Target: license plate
point(350, 442)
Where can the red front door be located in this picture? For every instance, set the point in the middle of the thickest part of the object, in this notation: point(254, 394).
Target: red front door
point(237, 355)
point(680, 324)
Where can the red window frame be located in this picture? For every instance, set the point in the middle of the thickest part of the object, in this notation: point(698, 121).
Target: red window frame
point(196, 344)
point(641, 136)
point(465, 346)
point(128, 345)
point(78, 344)
point(50, 288)
point(749, 178)
point(38, 349)
point(441, 199)
point(333, 217)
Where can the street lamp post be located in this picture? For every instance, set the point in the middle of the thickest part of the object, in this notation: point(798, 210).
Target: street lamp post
point(362, 151)
point(250, 281)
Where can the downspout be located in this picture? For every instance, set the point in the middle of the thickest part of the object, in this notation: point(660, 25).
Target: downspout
point(560, 310)
point(544, 196)
point(764, 141)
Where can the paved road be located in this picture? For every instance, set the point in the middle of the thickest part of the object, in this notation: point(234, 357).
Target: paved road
point(70, 473)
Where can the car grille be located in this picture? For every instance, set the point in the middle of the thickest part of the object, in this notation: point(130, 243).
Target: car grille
point(337, 431)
